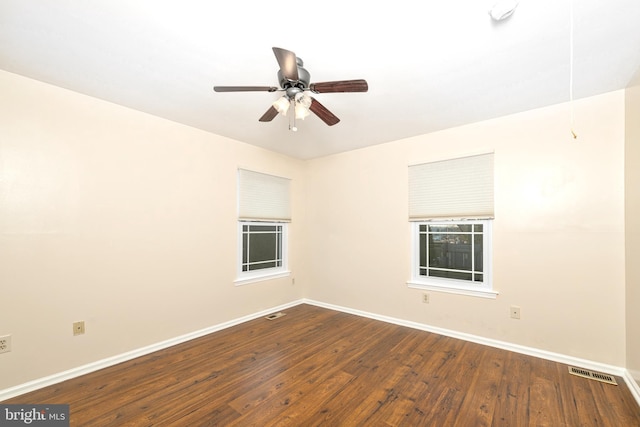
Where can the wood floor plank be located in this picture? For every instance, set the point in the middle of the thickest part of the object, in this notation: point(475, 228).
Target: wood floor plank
point(378, 365)
point(512, 401)
point(610, 405)
point(318, 367)
point(545, 399)
point(395, 399)
point(298, 413)
point(484, 381)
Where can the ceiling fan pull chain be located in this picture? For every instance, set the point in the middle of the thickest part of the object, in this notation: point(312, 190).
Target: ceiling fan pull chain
point(292, 117)
point(573, 133)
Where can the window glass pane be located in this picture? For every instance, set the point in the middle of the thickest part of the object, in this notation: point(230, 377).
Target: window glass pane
point(423, 250)
point(478, 228)
point(450, 251)
point(465, 228)
point(477, 244)
point(262, 247)
point(262, 265)
point(437, 250)
point(263, 228)
point(245, 247)
point(478, 277)
point(444, 228)
point(279, 242)
point(450, 274)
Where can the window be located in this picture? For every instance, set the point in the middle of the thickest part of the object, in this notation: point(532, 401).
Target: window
point(262, 245)
point(451, 213)
point(263, 216)
point(452, 256)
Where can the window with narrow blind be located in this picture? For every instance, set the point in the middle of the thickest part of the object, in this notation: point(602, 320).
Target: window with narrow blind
point(451, 212)
point(263, 217)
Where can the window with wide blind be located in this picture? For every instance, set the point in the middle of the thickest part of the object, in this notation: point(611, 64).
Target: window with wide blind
point(263, 216)
point(451, 212)
point(459, 188)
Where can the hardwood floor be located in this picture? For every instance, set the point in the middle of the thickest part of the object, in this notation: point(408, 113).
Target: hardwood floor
point(317, 367)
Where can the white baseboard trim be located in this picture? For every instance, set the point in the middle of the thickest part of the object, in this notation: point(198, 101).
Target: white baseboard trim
point(633, 382)
point(104, 363)
point(110, 361)
point(530, 351)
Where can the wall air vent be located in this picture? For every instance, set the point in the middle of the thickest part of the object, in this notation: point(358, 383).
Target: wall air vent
point(585, 373)
point(275, 315)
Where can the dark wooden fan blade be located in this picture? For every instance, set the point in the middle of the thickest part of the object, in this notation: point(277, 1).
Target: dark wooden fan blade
point(288, 63)
point(321, 111)
point(245, 88)
point(269, 115)
point(340, 86)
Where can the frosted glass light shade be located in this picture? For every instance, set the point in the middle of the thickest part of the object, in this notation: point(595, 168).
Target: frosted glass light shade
point(282, 105)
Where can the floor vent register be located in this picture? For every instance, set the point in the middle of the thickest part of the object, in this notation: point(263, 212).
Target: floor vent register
point(274, 316)
point(593, 375)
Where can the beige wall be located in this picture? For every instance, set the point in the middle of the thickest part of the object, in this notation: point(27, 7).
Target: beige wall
point(127, 221)
point(558, 232)
point(120, 219)
point(632, 227)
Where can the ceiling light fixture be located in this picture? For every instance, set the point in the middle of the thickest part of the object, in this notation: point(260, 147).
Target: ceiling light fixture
point(503, 9)
point(303, 102)
point(282, 105)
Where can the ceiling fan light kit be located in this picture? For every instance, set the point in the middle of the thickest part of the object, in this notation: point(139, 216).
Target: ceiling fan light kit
point(294, 81)
point(282, 105)
point(303, 103)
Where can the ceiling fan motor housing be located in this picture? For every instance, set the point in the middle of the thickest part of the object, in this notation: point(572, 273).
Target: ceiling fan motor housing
point(303, 78)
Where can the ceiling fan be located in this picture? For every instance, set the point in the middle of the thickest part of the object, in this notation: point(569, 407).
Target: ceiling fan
point(294, 81)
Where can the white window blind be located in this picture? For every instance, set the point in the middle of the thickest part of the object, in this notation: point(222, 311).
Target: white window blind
point(459, 188)
point(263, 197)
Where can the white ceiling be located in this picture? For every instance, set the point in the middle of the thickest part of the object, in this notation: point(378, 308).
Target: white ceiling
point(430, 65)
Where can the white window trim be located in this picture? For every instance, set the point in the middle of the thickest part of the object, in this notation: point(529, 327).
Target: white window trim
point(247, 277)
point(484, 290)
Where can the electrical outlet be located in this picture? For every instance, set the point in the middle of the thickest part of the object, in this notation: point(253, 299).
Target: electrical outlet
point(78, 328)
point(5, 344)
point(515, 312)
point(425, 298)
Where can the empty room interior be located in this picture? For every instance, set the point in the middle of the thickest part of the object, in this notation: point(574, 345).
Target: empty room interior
point(451, 183)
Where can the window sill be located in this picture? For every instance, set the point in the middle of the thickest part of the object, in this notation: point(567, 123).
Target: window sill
point(460, 290)
point(245, 280)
